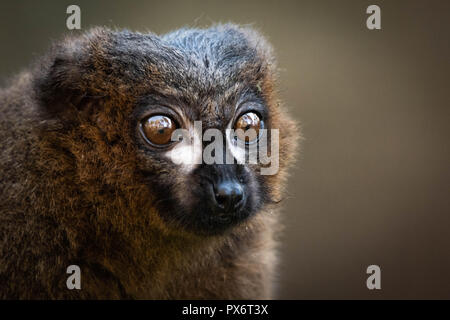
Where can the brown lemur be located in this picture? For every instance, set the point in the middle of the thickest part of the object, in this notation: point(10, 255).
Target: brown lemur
point(86, 178)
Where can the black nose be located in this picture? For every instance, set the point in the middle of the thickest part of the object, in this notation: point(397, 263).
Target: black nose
point(229, 195)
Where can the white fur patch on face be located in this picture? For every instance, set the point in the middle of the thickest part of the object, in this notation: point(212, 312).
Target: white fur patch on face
point(237, 149)
point(188, 152)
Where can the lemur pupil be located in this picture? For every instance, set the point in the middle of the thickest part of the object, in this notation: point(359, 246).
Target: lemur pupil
point(158, 129)
point(249, 120)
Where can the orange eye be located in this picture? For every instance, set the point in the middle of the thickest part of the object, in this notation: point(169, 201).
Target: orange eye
point(158, 129)
point(249, 124)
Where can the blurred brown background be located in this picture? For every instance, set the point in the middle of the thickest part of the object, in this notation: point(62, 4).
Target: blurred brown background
point(372, 184)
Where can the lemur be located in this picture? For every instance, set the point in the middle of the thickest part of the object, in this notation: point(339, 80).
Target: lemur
point(88, 177)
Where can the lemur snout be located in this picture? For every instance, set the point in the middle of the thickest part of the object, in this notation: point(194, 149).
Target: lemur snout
point(229, 196)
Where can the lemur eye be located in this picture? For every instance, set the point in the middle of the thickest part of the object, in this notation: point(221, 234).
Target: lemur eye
point(158, 129)
point(250, 124)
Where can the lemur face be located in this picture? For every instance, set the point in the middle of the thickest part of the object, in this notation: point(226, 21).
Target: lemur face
point(207, 197)
point(212, 91)
point(141, 90)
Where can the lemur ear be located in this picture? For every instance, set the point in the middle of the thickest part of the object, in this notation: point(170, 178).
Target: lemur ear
point(63, 78)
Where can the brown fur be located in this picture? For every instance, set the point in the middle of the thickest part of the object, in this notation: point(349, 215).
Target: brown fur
point(71, 192)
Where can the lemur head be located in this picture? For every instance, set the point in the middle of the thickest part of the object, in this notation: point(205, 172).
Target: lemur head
point(120, 98)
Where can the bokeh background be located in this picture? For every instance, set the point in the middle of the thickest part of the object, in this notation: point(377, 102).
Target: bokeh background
point(372, 183)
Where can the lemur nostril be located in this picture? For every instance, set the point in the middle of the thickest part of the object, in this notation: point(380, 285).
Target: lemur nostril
point(228, 195)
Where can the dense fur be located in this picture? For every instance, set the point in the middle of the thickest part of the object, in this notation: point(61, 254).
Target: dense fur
point(78, 185)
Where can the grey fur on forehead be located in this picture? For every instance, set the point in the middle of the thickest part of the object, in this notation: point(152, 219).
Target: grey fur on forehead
point(220, 46)
point(227, 47)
